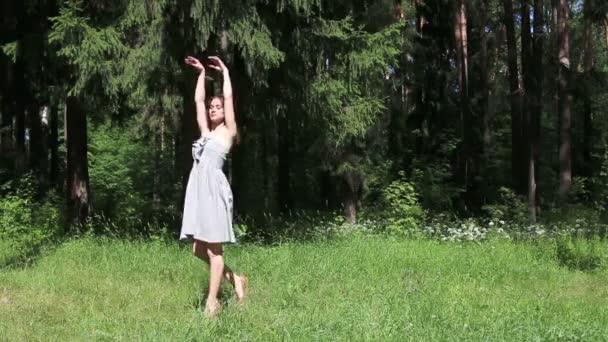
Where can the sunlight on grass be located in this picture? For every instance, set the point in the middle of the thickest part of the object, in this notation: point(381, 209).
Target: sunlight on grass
point(360, 288)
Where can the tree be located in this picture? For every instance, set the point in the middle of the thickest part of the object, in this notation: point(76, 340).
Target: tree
point(535, 101)
point(564, 100)
point(515, 95)
point(462, 62)
point(88, 52)
point(347, 99)
point(587, 71)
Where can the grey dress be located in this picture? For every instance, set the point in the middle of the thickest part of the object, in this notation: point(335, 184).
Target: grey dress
point(208, 204)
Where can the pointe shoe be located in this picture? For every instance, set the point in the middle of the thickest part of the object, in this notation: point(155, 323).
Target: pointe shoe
point(212, 310)
point(243, 283)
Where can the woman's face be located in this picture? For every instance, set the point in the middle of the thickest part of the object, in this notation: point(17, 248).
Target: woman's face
point(216, 110)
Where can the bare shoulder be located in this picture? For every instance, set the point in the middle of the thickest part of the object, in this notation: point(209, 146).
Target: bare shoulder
point(225, 136)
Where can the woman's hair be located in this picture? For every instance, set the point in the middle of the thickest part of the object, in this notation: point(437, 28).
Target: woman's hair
point(220, 97)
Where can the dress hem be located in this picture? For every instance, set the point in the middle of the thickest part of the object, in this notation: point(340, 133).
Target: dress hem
point(190, 237)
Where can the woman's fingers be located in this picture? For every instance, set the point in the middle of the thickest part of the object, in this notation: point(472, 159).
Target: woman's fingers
point(220, 65)
point(195, 63)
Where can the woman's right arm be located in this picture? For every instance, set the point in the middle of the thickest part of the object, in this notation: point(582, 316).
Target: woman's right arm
point(199, 95)
point(201, 107)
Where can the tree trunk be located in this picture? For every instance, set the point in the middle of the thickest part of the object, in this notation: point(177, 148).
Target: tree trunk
point(327, 190)
point(265, 160)
point(526, 105)
point(536, 107)
point(158, 153)
point(6, 84)
point(492, 69)
point(588, 66)
point(353, 181)
point(350, 196)
point(79, 193)
point(564, 101)
point(284, 166)
point(419, 114)
point(187, 134)
point(21, 90)
point(516, 118)
point(54, 145)
point(6, 127)
point(37, 152)
point(350, 207)
point(606, 30)
point(461, 38)
point(484, 78)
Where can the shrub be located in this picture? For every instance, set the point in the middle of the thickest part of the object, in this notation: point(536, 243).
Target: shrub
point(26, 224)
point(404, 214)
point(510, 207)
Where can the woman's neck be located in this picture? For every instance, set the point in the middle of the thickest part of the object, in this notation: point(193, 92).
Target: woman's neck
point(216, 125)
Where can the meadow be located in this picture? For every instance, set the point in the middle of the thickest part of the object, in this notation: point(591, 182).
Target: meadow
point(355, 288)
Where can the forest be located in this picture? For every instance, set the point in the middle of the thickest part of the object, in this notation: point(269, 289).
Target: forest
point(392, 113)
point(367, 109)
point(451, 155)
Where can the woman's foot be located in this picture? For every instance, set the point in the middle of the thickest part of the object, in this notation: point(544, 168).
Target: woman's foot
point(240, 288)
point(212, 308)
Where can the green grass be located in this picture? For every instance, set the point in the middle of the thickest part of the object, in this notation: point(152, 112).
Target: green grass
point(8, 254)
point(359, 288)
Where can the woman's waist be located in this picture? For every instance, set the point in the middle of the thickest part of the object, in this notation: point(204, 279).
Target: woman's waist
point(216, 163)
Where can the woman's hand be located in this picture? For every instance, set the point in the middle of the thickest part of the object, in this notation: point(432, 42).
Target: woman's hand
point(195, 63)
point(218, 64)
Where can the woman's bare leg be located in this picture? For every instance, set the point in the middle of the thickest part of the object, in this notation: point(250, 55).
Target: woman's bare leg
point(215, 253)
point(212, 254)
point(199, 249)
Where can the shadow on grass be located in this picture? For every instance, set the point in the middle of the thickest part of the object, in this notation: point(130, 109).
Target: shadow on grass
point(581, 254)
point(13, 259)
point(199, 300)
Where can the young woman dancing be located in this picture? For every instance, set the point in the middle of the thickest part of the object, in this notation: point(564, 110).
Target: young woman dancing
point(207, 218)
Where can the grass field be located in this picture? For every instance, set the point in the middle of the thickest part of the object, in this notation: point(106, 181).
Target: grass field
point(356, 288)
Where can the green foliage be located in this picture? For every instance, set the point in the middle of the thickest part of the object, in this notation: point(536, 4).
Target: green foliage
point(92, 51)
point(510, 207)
point(26, 224)
point(595, 189)
point(10, 49)
point(357, 92)
point(115, 159)
point(122, 171)
point(254, 39)
point(348, 114)
point(403, 210)
point(347, 97)
point(580, 253)
point(431, 176)
point(299, 226)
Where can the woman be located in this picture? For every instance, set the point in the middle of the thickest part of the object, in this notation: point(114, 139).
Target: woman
point(208, 205)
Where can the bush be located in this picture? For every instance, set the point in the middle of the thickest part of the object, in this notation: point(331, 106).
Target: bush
point(404, 214)
point(26, 224)
point(510, 207)
point(431, 178)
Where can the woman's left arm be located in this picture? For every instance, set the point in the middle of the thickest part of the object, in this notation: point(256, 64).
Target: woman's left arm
point(229, 116)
